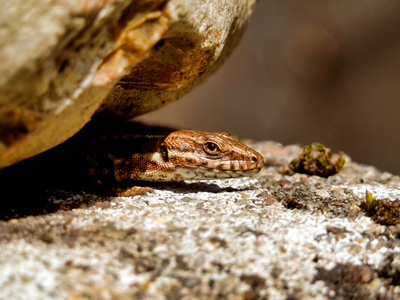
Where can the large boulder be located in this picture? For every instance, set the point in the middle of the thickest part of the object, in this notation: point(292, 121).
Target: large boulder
point(61, 61)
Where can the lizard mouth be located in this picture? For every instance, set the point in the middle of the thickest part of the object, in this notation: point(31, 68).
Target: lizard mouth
point(211, 173)
point(227, 168)
point(255, 164)
point(251, 165)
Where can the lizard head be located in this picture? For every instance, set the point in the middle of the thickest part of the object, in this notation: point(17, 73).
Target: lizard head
point(205, 155)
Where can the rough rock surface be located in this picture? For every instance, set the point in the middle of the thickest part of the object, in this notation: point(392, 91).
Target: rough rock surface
point(60, 59)
point(278, 235)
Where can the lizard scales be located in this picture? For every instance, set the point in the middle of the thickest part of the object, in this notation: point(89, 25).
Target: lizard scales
point(109, 153)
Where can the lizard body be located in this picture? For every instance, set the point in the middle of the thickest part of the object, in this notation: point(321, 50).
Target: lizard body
point(106, 154)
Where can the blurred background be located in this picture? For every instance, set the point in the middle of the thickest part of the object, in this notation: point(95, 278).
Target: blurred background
point(308, 71)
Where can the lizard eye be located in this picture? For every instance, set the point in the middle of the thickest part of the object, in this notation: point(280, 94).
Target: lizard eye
point(211, 148)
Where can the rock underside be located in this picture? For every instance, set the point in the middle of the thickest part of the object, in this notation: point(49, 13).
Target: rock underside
point(278, 235)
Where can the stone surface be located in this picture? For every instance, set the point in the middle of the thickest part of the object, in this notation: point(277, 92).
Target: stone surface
point(199, 40)
point(279, 235)
point(61, 59)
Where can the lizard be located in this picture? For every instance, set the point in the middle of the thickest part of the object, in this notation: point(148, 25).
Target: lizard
point(104, 155)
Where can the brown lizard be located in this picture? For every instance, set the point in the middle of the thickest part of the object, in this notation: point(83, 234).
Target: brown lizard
point(105, 155)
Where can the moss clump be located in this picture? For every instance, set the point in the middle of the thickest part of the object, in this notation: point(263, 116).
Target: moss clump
point(382, 211)
point(316, 159)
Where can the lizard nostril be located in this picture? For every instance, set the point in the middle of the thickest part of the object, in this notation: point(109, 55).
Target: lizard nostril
point(254, 159)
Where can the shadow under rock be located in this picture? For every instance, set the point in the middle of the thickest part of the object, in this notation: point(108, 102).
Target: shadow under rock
point(20, 202)
point(40, 202)
point(59, 179)
point(183, 187)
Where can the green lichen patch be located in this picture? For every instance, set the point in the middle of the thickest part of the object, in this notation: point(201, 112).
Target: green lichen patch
point(316, 159)
point(384, 212)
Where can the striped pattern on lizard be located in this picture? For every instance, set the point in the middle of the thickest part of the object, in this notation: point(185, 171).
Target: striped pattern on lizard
point(108, 153)
point(188, 154)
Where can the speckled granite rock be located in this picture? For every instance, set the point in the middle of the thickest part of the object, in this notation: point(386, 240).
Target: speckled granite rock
point(60, 59)
point(231, 239)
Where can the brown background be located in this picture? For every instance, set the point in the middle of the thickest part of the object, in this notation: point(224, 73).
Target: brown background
point(308, 71)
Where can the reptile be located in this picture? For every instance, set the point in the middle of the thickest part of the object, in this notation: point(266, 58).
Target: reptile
point(104, 155)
